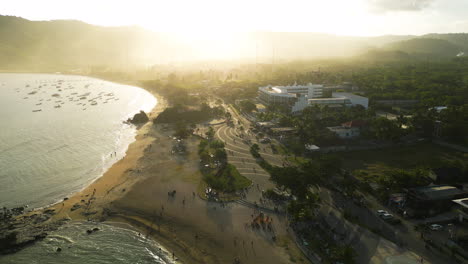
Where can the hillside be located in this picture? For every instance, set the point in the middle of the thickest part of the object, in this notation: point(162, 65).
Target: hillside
point(460, 39)
point(426, 46)
point(66, 45)
point(70, 44)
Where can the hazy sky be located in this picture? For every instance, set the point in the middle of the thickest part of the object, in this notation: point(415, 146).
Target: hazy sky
point(343, 17)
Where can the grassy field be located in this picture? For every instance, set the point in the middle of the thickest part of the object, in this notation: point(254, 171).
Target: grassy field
point(375, 162)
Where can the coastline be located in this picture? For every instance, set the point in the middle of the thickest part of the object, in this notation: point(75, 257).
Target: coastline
point(114, 177)
point(134, 191)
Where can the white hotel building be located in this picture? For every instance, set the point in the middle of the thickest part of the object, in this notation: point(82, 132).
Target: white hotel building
point(298, 97)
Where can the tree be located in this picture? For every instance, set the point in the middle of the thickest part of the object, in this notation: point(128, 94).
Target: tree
point(220, 154)
point(247, 106)
point(210, 133)
point(385, 129)
point(254, 149)
point(181, 131)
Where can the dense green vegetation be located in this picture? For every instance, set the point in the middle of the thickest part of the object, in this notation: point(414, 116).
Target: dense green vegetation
point(227, 180)
point(396, 168)
point(427, 46)
point(189, 115)
point(217, 173)
point(67, 45)
point(247, 106)
point(300, 180)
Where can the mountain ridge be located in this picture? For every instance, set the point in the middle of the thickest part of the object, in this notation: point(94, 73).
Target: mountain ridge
point(69, 44)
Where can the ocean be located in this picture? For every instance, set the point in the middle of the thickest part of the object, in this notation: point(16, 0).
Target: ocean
point(57, 133)
point(112, 244)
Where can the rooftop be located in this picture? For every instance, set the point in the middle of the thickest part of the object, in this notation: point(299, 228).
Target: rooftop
point(463, 202)
point(354, 123)
point(283, 129)
point(437, 192)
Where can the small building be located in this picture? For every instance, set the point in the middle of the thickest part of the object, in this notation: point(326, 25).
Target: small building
point(345, 132)
point(283, 130)
point(462, 208)
point(264, 125)
point(447, 175)
point(354, 99)
point(311, 148)
point(430, 200)
point(349, 129)
point(260, 108)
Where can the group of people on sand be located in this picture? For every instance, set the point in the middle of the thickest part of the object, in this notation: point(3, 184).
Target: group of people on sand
point(262, 221)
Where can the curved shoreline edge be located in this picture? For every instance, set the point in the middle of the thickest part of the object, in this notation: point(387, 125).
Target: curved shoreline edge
point(134, 191)
point(114, 177)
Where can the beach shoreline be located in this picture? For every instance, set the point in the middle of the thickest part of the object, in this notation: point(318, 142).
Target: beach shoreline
point(114, 177)
point(134, 190)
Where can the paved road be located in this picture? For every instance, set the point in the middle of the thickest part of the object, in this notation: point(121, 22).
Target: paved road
point(403, 235)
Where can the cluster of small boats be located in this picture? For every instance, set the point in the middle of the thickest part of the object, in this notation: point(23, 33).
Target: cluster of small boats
point(60, 88)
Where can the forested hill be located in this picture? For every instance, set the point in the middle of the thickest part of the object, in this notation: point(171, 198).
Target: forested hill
point(66, 45)
point(460, 39)
point(428, 46)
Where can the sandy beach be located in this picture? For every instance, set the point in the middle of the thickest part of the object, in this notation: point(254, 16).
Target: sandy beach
point(135, 191)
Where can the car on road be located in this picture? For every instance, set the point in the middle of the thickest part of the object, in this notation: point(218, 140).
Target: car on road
point(381, 212)
point(265, 140)
point(436, 227)
point(387, 216)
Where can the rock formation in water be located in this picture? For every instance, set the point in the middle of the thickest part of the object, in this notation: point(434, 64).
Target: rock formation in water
point(18, 231)
point(139, 118)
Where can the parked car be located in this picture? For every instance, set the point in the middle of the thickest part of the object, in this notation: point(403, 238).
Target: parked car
point(265, 140)
point(381, 212)
point(386, 216)
point(436, 227)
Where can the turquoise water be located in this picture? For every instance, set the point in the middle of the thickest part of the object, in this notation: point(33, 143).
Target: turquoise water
point(58, 133)
point(110, 244)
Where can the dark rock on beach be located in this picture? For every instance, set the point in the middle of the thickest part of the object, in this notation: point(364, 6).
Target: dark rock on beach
point(18, 231)
point(139, 118)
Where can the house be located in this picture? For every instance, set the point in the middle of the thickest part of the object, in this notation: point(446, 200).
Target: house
point(433, 199)
point(261, 108)
point(349, 129)
point(462, 208)
point(265, 125)
point(447, 175)
point(311, 148)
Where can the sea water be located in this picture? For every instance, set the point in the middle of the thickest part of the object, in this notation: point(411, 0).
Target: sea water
point(111, 244)
point(58, 133)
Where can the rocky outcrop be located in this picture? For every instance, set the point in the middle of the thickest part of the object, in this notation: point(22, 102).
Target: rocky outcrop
point(139, 118)
point(17, 232)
